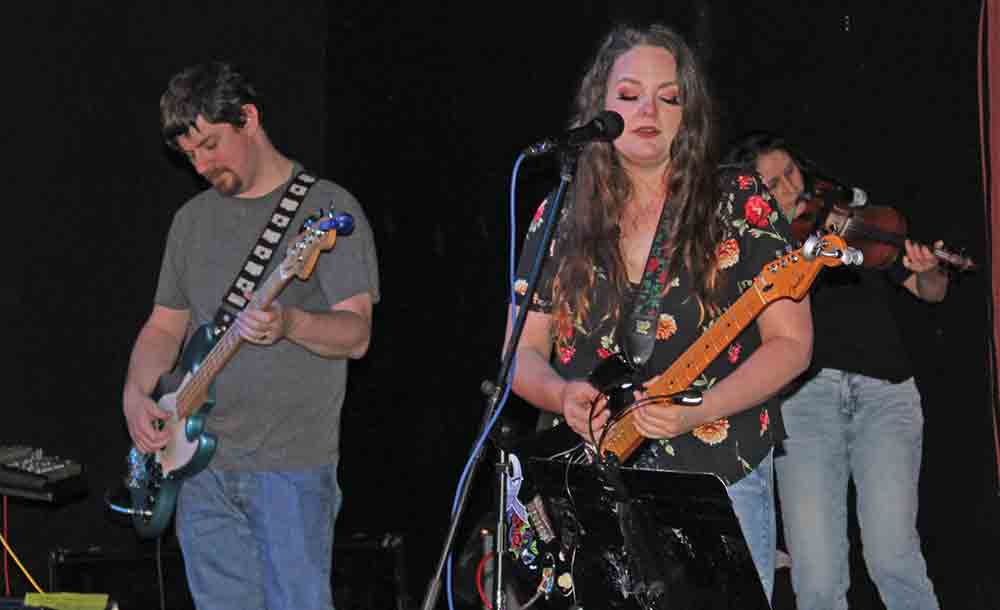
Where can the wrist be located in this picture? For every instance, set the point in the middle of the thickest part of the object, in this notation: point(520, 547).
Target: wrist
point(134, 390)
point(291, 320)
point(559, 390)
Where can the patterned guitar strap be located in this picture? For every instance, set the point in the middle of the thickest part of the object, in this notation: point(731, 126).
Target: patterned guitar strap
point(639, 337)
point(262, 252)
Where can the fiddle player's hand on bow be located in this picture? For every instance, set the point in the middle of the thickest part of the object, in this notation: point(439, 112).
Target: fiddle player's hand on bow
point(577, 397)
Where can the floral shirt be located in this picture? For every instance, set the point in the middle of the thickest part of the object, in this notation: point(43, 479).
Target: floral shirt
point(755, 234)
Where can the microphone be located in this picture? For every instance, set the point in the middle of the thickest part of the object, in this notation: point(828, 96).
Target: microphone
point(822, 186)
point(605, 127)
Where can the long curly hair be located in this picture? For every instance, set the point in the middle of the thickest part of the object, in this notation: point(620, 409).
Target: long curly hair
point(590, 230)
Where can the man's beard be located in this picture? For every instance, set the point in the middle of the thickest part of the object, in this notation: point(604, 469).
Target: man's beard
point(225, 181)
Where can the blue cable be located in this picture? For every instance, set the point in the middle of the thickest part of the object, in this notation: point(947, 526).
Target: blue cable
point(506, 382)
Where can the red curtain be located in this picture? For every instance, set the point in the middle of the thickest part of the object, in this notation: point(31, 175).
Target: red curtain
point(989, 112)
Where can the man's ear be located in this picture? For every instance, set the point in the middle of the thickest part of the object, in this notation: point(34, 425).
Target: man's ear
point(251, 118)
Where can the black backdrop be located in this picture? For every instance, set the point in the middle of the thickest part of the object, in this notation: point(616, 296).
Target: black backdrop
point(420, 111)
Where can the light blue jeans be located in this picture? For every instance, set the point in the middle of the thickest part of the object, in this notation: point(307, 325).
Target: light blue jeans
point(753, 503)
point(843, 425)
point(259, 540)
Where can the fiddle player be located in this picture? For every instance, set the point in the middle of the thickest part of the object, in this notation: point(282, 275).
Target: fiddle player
point(855, 413)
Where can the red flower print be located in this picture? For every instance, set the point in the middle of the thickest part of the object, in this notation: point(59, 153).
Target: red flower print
point(765, 421)
point(756, 211)
point(728, 253)
point(744, 182)
point(566, 353)
point(733, 353)
point(652, 264)
point(603, 353)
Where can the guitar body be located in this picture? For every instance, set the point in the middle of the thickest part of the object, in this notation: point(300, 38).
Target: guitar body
point(155, 479)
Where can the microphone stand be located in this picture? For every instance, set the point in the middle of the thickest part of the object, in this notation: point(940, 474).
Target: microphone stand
point(493, 392)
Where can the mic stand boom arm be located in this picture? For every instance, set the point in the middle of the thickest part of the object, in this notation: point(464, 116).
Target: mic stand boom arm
point(493, 392)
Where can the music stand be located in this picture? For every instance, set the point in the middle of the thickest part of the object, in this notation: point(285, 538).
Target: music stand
point(695, 556)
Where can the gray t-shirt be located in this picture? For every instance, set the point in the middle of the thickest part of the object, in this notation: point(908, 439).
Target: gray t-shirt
point(277, 407)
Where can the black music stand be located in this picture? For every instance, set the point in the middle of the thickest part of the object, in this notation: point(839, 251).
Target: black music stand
point(695, 556)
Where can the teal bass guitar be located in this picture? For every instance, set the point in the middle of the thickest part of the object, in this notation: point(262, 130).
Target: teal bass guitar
point(154, 479)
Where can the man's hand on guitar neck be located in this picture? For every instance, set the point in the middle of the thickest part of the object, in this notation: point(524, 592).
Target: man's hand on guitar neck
point(263, 326)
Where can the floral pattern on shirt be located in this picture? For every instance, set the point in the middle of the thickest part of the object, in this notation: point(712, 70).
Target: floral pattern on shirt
point(755, 234)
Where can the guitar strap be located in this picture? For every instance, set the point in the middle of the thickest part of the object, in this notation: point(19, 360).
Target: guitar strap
point(640, 336)
point(262, 252)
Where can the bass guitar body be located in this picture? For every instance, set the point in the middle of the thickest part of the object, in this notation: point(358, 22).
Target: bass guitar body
point(155, 479)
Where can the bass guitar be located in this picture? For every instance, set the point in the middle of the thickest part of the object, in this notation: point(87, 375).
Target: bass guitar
point(154, 480)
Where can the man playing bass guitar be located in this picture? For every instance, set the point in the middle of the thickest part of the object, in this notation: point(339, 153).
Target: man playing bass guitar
point(255, 526)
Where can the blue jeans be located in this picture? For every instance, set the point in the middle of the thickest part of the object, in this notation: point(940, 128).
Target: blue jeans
point(259, 540)
point(843, 425)
point(753, 503)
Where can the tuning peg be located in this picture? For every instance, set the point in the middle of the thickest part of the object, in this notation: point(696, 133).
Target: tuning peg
point(313, 218)
point(852, 256)
point(342, 222)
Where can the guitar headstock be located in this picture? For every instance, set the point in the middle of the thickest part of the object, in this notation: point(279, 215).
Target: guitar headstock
point(319, 234)
point(791, 276)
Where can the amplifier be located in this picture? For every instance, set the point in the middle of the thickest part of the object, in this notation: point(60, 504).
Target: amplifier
point(368, 572)
point(128, 576)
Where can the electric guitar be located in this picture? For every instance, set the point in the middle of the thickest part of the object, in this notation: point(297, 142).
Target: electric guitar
point(154, 479)
point(789, 276)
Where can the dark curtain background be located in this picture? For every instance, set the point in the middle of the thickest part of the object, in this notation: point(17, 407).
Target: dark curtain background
point(420, 110)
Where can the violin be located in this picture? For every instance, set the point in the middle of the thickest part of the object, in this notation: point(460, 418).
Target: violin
point(878, 231)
